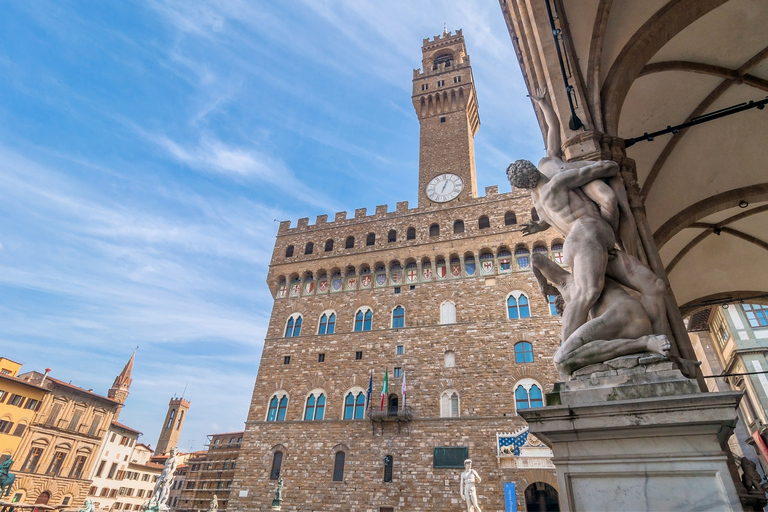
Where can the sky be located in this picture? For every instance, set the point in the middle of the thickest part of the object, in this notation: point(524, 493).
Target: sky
point(148, 150)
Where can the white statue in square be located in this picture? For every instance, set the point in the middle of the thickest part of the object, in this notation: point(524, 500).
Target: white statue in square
point(467, 487)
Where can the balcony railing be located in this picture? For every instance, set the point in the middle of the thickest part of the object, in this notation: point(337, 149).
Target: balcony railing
point(399, 415)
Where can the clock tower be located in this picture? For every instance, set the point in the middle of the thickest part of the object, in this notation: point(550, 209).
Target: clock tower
point(445, 101)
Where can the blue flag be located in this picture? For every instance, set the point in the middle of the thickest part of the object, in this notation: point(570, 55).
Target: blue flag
point(370, 390)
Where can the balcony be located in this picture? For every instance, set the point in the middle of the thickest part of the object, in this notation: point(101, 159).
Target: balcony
point(393, 414)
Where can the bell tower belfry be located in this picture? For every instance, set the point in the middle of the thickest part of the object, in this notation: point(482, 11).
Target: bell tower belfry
point(446, 103)
point(174, 421)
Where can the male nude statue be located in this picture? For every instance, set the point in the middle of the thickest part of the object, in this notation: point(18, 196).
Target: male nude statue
point(589, 241)
point(467, 486)
point(609, 195)
point(163, 485)
point(619, 324)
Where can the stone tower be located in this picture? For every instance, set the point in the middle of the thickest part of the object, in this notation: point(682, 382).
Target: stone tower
point(446, 103)
point(440, 299)
point(122, 384)
point(174, 421)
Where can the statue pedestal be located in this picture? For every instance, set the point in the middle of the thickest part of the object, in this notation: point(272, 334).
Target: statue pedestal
point(639, 437)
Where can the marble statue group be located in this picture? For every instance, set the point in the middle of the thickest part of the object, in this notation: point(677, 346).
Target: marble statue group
point(587, 202)
point(159, 500)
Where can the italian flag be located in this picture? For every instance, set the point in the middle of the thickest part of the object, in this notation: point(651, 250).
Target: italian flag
point(384, 389)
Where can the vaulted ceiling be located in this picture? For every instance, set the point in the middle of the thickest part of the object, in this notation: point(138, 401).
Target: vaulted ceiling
point(644, 65)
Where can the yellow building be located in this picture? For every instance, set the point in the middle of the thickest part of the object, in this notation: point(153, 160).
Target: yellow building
point(19, 403)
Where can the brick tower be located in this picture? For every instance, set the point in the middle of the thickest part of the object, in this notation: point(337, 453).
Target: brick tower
point(174, 421)
point(120, 388)
point(438, 298)
point(446, 103)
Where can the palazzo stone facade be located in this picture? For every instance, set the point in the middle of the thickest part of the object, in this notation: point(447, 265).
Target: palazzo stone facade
point(441, 295)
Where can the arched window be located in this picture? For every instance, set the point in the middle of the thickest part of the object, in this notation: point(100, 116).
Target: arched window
point(540, 249)
point(350, 243)
point(557, 253)
point(363, 320)
point(528, 394)
point(315, 409)
point(449, 404)
point(450, 359)
point(277, 408)
point(411, 234)
point(517, 306)
point(523, 257)
point(434, 230)
point(329, 245)
point(293, 327)
point(447, 313)
point(510, 219)
point(171, 416)
point(354, 406)
point(327, 323)
point(398, 317)
point(309, 248)
point(458, 226)
point(445, 58)
point(392, 236)
point(277, 463)
point(551, 302)
point(289, 251)
point(483, 222)
point(388, 462)
point(370, 239)
point(523, 352)
point(338, 467)
point(534, 215)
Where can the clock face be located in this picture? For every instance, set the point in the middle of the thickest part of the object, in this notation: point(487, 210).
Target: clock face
point(444, 188)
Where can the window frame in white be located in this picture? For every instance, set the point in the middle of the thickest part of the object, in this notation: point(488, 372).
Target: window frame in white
point(446, 400)
point(451, 313)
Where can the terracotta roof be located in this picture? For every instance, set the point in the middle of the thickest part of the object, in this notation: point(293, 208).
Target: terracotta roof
point(22, 381)
point(81, 390)
point(126, 427)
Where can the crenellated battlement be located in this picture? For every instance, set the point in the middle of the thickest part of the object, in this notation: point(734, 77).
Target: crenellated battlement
point(382, 212)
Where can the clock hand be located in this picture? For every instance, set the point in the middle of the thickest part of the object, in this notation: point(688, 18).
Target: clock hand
point(444, 185)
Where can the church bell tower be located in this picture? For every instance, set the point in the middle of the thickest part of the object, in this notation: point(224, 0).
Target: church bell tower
point(122, 385)
point(446, 102)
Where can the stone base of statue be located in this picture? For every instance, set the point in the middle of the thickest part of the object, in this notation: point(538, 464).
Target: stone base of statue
point(276, 505)
point(634, 434)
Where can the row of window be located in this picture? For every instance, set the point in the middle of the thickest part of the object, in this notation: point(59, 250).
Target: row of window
point(523, 354)
point(441, 83)
point(484, 222)
point(394, 274)
point(339, 460)
point(527, 393)
point(6, 426)
point(56, 464)
point(212, 465)
point(74, 421)
point(518, 306)
point(19, 400)
point(443, 457)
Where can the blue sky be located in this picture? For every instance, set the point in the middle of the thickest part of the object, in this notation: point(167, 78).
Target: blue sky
point(147, 148)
